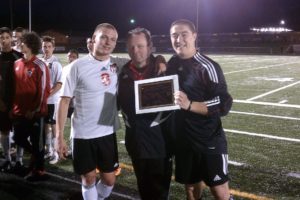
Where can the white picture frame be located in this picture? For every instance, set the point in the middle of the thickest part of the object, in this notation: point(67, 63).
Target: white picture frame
point(156, 94)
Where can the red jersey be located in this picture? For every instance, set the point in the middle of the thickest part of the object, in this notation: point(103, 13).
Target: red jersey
point(32, 87)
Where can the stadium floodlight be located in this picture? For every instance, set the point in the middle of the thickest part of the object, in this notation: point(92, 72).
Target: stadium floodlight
point(282, 22)
point(270, 29)
point(132, 21)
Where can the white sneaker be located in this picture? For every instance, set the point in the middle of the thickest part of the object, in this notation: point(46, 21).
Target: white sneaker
point(54, 158)
point(48, 155)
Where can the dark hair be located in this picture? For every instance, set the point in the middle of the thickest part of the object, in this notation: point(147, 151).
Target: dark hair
point(48, 38)
point(20, 29)
point(74, 51)
point(186, 22)
point(5, 30)
point(32, 41)
point(139, 31)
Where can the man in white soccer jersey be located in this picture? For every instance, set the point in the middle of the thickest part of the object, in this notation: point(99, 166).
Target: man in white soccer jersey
point(55, 69)
point(92, 81)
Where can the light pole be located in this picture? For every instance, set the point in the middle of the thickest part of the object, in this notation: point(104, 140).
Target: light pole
point(197, 20)
point(11, 14)
point(29, 28)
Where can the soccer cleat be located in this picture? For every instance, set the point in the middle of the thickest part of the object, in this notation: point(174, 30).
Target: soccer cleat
point(54, 158)
point(48, 154)
point(20, 170)
point(6, 167)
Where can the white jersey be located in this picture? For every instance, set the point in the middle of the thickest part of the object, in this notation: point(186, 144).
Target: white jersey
point(93, 84)
point(55, 71)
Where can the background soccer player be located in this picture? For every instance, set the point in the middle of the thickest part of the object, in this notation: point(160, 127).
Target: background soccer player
point(31, 90)
point(7, 58)
point(55, 69)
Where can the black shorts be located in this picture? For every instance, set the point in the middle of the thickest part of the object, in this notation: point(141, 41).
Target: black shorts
point(89, 154)
point(192, 167)
point(70, 112)
point(50, 118)
point(5, 122)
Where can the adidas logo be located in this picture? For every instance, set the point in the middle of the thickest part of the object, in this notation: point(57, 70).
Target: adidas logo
point(217, 178)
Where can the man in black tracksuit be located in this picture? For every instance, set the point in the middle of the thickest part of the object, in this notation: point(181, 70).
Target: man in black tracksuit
point(7, 58)
point(146, 143)
point(201, 146)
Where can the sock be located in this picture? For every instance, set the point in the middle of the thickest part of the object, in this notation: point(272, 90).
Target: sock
point(53, 140)
point(48, 140)
point(19, 156)
point(103, 190)
point(89, 192)
point(6, 146)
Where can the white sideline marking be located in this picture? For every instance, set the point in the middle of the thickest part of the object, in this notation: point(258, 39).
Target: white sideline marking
point(267, 103)
point(275, 79)
point(295, 175)
point(246, 61)
point(273, 91)
point(77, 182)
point(236, 163)
point(264, 115)
point(268, 66)
point(283, 101)
point(263, 135)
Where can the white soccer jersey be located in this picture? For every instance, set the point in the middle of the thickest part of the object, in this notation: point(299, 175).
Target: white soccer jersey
point(93, 84)
point(55, 71)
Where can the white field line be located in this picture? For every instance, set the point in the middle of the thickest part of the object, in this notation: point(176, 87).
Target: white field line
point(262, 135)
point(264, 115)
point(246, 60)
point(77, 182)
point(267, 103)
point(295, 175)
point(268, 66)
point(273, 91)
point(234, 163)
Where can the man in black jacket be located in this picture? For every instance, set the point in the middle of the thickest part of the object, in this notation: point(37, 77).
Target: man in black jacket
point(7, 58)
point(146, 143)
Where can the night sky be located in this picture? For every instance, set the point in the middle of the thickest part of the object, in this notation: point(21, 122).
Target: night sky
point(215, 16)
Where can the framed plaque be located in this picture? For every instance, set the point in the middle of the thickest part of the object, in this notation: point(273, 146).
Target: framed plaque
point(155, 94)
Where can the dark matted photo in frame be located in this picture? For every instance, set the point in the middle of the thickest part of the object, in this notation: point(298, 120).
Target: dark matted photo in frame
point(155, 94)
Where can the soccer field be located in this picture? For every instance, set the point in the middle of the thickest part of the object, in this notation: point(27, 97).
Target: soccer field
point(262, 128)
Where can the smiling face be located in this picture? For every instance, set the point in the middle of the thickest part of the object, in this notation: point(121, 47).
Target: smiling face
point(183, 40)
point(105, 40)
point(139, 50)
